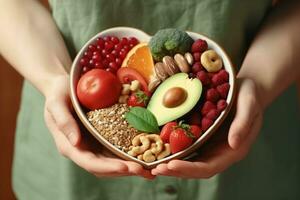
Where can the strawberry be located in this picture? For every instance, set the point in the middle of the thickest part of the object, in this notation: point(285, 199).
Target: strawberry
point(221, 105)
point(223, 90)
point(212, 95)
point(212, 114)
point(138, 98)
point(166, 131)
point(179, 140)
point(195, 130)
point(206, 123)
point(207, 106)
point(199, 46)
point(203, 77)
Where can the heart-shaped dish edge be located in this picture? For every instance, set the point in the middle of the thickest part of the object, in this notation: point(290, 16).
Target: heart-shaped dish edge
point(144, 37)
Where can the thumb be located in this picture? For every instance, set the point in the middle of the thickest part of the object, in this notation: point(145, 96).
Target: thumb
point(60, 111)
point(246, 112)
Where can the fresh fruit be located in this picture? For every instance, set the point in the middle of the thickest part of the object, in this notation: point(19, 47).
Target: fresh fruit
point(140, 59)
point(197, 56)
point(168, 42)
point(166, 131)
point(212, 95)
point(195, 130)
point(203, 77)
point(207, 106)
point(98, 89)
point(180, 140)
point(199, 46)
point(106, 53)
point(192, 87)
point(206, 123)
point(195, 118)
point(221, 105)
point(138, 98)
point(213, 114)
point(223, 74)
point(127, 75)
point(197, 67)
point(223, 90)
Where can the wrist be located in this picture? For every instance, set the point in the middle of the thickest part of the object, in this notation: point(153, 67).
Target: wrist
point(51, 83)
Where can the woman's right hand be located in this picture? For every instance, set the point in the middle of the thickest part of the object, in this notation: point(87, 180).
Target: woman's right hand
point(82, 149)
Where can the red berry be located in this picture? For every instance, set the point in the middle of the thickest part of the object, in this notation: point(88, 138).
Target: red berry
point(223, 90)
point(221, 105)
point(207, 106)
point(206, 123)
point(213, 114)
point(197, 56)
point(217, 80)
point(124, 41)
point(212, 95)
point(166, 131)
point(114, 40)
point(203, 77)
point(199, 46)
point(179, 140)
point(223, 74)
point(197, 67)
point(195, 130)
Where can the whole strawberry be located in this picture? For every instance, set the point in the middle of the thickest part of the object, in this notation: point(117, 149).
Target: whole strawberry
point(166, 131)
point(138, 98)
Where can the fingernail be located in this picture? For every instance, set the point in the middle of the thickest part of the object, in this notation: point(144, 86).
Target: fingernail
point(72, 138)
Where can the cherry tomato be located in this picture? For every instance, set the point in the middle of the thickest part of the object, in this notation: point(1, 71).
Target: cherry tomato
point(166, 131)
point(126, 75)
point(98, 88)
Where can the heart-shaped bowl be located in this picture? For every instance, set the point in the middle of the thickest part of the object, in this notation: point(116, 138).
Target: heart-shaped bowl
point(143, 37)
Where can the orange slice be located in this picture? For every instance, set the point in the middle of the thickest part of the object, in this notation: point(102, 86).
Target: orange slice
point(140, 58)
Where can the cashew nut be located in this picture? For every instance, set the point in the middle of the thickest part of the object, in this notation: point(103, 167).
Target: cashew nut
point(140, 145)
point(165, 152)
point(140, 157)
point(135, 85)
point(158, 145)
point(148, 156)
point(126, 89)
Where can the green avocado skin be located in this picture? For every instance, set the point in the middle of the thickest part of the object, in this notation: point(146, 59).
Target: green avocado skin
point(163, 115)
point(168, 42)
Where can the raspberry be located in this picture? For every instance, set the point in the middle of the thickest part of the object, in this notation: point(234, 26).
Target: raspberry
point(223, 74)
point(221, 105)
point(199, 46)
point(206, 123)
point(217, 80)
point(197, 56)
point(223, 90)
point(207, 106)
point(203, 77)
point(197, 67)
point(212, 95)
point(212, 114)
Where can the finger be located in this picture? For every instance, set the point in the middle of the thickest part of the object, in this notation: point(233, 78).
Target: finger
point(162, 169)
point(138, 170)
point(59, 110)
point(245, 113)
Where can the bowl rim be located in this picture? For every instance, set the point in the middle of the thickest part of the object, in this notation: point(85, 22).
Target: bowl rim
point(188, 152)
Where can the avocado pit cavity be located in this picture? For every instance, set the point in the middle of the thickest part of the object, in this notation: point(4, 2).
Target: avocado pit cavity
point(174, 97)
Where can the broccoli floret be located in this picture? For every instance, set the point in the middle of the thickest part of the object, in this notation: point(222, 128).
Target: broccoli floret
point(169, 42)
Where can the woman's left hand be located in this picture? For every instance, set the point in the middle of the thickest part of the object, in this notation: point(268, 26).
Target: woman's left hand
point(223, 149)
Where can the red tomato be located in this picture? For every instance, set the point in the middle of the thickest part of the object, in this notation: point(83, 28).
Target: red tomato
point(98, 89)
point(166, 131)
point(179, 140)
point(126, 75)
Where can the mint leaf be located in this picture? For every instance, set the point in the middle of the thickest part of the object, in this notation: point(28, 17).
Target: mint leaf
point(142, 120)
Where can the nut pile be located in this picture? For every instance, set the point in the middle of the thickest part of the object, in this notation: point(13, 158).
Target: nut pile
point(110, 123)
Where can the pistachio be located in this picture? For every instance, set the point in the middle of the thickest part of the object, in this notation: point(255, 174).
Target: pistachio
point(154, 82)
point(170, 65)
point(174, 97)
point(189, 58)
point(160, 71)
point(182, 63)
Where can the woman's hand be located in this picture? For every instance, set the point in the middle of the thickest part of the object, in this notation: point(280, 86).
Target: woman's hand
point(224, 148)
point(84, 150)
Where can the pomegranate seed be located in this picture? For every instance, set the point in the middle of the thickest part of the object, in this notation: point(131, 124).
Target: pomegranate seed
point(118, 61)
point(115, 40)
point(133, 41)
point(109, 46)
point(106, 38)
point(92, 63)
point(97, 57)
point(118, 47)
point(85, 69)
point(113, 65)
point(124, 41)
point(92, 48)
point(88, 54)
point(105, 63)
point(83, 61)
point(115, 53)
point(110, 57)
point(126, 48)
point(99, 65)
point(104, 52)
point(112, 70)
point(100, 42)
point(123, 54)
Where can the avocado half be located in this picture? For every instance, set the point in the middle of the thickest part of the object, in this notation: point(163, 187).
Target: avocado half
point(163, 114)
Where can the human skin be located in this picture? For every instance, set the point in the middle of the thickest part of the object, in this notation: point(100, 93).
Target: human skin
point(270, 66)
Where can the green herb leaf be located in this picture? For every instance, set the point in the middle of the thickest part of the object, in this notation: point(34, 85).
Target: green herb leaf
point(142, 120)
